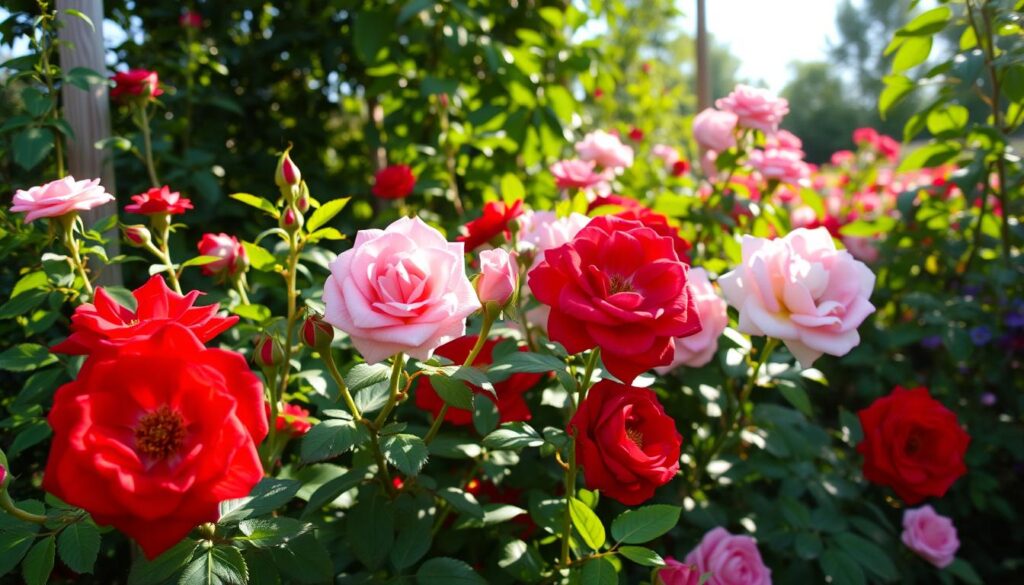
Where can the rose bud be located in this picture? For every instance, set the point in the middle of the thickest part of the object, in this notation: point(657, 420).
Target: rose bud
point(499, 277)
point(3, 475)
point(677, 573)
point(302, 203)
point(287, 174)
point(291, 220)
point(268, 354)
point(137, 235)
point(317, 333)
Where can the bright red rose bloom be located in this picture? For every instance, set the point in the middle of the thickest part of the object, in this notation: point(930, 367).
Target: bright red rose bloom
point(511, 405)
point(620, 286)
point(495, 220)
point(154, 434)
point(394, 182)
point(159, 200)
point(293, 419)
point(104, 322)
point(625, 442)
point(135, 83)
point(636, 211)
point(680, 168)
point(913, 444)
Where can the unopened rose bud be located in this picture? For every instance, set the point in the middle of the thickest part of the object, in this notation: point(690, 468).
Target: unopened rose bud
point(268, 354)
point(137, 235)
point(302, 203)
point(3, 476)
point(443, 99)
point(317, 333)
point(287, 174)
point(291, 219)
point(499, 277)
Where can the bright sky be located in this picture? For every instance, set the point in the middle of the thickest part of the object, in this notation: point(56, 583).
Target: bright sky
point(768, 35)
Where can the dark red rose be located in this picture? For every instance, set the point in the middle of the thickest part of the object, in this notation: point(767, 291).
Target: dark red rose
point(135, 83)
point(636, 134)
point(620, 286)
point(625, 442)
point(159, 200)
point(191, 19)
point(154, 434)
point(913, 444)
point(495, 220)
point(636, 211)
point(104, 322)
point(511, 405)
point(394, 182)
point(680, 168)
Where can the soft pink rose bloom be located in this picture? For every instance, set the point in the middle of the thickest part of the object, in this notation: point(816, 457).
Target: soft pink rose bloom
point(786, 140)
point(787, 166)
point(707, 164)
point(668, 154)
point(605, 149)
point(842, 157)
point(864, 249)
point(401, 289)
point(499, 275)
point(578, 174)
point(801, 290)
point(930, 535)
point(698, 349)
point(715, 130)
point(676, 573)
point(802, 217)
point(731, 559)
point(543, 230)
point(756, 108)
point(60, 197)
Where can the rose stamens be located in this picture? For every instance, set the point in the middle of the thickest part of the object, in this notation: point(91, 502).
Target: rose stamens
point(160, 433)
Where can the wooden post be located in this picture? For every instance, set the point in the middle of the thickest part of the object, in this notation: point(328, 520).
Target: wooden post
point(88, 114)
point(703, 69)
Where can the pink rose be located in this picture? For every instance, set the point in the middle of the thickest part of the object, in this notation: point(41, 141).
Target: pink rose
point(698, 349)
point(803, 217)
point(605, 149)
point(731, 559)
point(801, 290)
point(577, 174)
point(755, 108)
point(401, 289)
point(544, 230)
point(715, 130)
point(785, 139)
point(782, 165)
point(865, 136)
point(676, 573)
point(499, 275)
point(842, 157)
point(864, 249)
point(668, 154)
point(60, 197)
point(930, 535)
point(233, 258)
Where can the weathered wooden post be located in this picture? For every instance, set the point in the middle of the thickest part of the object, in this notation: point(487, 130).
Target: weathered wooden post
point(703, 67)
point(88, 113)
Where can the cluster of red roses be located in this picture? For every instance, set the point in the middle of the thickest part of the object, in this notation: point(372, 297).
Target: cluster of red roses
point(156, 428)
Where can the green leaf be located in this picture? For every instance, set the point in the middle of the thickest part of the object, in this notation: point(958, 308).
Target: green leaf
point(870, 556)
point(259, 257)
point(930, 155)
point(258, 202)
point(267, 496)
point(200, 260)
point(522, 561)
point(587, 524)
point(447, 571)
point(645, 524)
point(261, 567)
point(327, 233)
point(218, 565)
point(326, 213)
point(599, 571)
point(331, 438)
point(435, 85)
point(948, 120)
point(413, 8)
point(485, 414)
point(257, 313)
point(454, 392)
point(26, 357)
point(963, 571)
point(642, 556)
point(366, 375)
point(524, 362)
point(462, 501)
point(406, 452)
point(330, 491)
point(512, 188)
point(264, 532)
point(795, 395)
point(927, 23)
point(30, 434)
point(164, 566)
point(414, 537)
point(78, 545)
point(897, 87)
point(81, 15)
point(841, 568)
point(305, 561)
point(39, 562)
point(23, 303)
point(912, 52)
point(371, 34)
point(16, 539)
point(513, 435)
point(371, 528)
point(36, 102)
point(31, 146)
point(84, 78)
point(807, 545)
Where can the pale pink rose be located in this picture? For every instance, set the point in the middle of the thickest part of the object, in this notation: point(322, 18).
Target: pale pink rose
point(696, 350)
point(605, 149)
point(803, 217)
point(60, 197)
point(578, 174)
point(842, 157)
point(676, 573)
point(801, 290)
point(864, 249)
point(786, 140)
point(543, 230)
point(755, 108)
point(782, 165)
point(668, 154)
point(715, 130)
point(930, 535)
point(731, 559)
point(499, 275)
point(401, 289)
point(707, 164)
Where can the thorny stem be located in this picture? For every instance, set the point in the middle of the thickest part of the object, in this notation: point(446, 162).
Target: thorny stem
point(332, 369)
point(142, 120)
point(398, 363)
point(570, 473)
point(67, 224)
point(481, 340)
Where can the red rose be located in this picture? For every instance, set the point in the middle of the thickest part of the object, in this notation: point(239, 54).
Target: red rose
point(868, 136)
point(636, 211)
point(135, 83)
point(889, 147)
point(913, 444)
point(511, 405)
point(680, 168)
point(620, 286)
point(625, 442)
point(495, 220)
point(394, 182)
point(191, 19)
point(159, 200)
point(636, 134)
point(154, 434)
point(105, 322)
point(293, 419)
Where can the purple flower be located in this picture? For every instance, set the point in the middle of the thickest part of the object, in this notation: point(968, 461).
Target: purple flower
point(981, 335)
point(988, 399)
point(932, 341)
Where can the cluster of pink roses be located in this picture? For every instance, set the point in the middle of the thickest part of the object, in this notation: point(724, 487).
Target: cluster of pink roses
point(601, 156)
